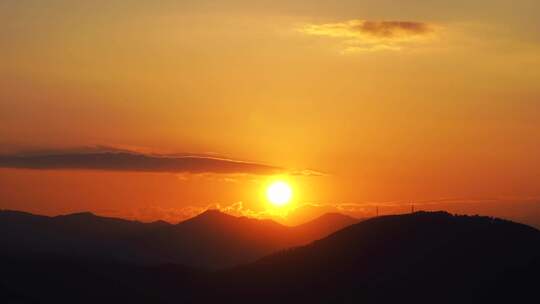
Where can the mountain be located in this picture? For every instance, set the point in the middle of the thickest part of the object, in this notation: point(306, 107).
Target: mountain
point(414, 258)
point(323, 226)
point(215, 240)
point(210, 240)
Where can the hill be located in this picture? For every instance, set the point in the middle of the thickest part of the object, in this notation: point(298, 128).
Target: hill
point(210, 240)
point(414, 258)
point(421, 257)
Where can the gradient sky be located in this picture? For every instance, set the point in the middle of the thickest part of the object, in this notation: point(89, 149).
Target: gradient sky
point(436, 102)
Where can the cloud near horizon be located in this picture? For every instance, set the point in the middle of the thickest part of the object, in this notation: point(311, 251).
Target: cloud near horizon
point(111, 159)
point(305, 212)
point(365, 35)
point(518, 209)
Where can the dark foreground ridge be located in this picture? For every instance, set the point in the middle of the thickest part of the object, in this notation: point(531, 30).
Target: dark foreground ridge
point(415, 258)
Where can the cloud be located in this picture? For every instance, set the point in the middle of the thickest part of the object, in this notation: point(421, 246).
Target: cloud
point(364, 35)
point(175, 215)
point(156, 213)
point(124, 160)
point(512, 208)
point(308, 172)
point(524, 210)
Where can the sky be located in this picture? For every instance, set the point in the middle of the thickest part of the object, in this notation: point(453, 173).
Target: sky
point(357, 104)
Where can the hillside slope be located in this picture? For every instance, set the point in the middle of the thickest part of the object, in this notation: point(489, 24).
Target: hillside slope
point(421, 257)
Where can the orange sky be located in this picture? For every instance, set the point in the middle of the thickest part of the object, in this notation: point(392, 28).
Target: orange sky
point(424, 102)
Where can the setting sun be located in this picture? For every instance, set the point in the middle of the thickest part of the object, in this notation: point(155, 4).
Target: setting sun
point(241, 151)
point(279, 193)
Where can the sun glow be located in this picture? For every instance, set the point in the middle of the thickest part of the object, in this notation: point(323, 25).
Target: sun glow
point(279, 193)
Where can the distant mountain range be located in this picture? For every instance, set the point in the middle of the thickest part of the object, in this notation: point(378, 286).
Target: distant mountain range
point(414, 258)
point(210, 240)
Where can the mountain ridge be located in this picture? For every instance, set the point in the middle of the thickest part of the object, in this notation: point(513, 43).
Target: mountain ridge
point(423, 257)
point(210, 240)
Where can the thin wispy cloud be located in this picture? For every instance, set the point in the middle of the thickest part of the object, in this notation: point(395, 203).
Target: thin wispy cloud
point(364, 35)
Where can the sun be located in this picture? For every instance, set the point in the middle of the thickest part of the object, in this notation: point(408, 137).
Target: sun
point(279, 193)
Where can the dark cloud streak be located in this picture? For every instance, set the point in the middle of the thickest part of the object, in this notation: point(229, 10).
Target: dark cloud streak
point(389, 29)
point(125, 161)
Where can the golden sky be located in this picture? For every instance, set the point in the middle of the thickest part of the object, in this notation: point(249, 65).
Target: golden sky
point(424, 101)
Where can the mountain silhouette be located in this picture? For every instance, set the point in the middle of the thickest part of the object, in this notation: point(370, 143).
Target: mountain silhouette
point(323, 226)
point(210, 240)
point(414, 258)
point(421, 257)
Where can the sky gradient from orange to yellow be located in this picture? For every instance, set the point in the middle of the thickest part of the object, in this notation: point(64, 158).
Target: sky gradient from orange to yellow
point(435, 102)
